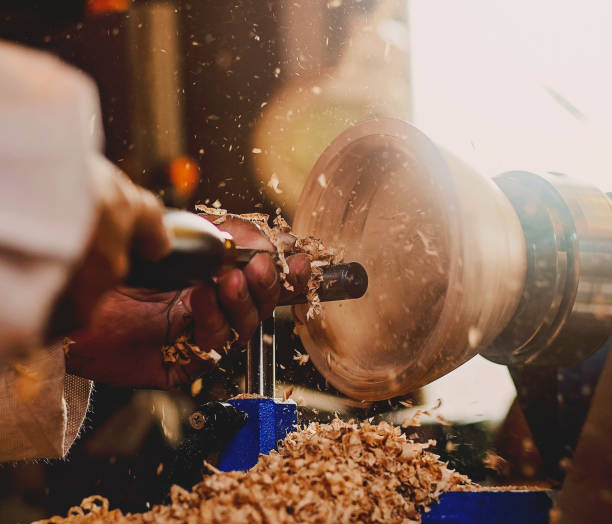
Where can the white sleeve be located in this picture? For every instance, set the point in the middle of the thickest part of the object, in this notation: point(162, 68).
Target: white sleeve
point(49, 131)
point(50, 143)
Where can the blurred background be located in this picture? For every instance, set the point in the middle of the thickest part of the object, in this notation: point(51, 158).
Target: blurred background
point(234, 100)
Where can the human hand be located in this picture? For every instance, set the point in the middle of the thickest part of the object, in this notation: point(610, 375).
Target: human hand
point(123, 345)
point(129, 218)
point(242, 298)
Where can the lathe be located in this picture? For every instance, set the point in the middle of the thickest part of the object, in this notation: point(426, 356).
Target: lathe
point(517, 269)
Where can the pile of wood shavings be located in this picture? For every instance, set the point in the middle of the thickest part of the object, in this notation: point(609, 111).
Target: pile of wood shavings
point(278, 234)
point(337, 472)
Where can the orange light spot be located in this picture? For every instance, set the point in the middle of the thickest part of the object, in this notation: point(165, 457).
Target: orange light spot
point(184, 175)
point(104, 7)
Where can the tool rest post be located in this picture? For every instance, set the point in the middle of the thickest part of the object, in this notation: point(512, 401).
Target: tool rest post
point(261, 360)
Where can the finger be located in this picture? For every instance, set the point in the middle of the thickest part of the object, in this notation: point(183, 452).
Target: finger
point(237, 303)
point(246, 234)
point(211, 329)
point(299, 274)
point(150, 236)
point(264, 283)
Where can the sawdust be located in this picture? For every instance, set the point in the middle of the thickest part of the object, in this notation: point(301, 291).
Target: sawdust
point(301, 358)
point(493, 461)
point(287, 394)
point(337, 472)
point(66, 343)
point(215, 215)
point(183, 347)
point(242, 396)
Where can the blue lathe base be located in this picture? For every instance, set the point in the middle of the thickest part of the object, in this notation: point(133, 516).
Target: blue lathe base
point(269, 421)
point(491, 507)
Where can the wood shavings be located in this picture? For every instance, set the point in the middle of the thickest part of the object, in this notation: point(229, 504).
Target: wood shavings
point(257, 218)
point(243, 396)
point(338, 472)
point(321, 256)
point(196, 387)
point(493, 461)
point(312, 295)
point(215, 215)
point(66, 343)
point(287, 394)
point(286, 243)
point(273, 183)
point(181, 350)
point(301, 358)
point(443, 421)
point(450, 446)
point(415, 419)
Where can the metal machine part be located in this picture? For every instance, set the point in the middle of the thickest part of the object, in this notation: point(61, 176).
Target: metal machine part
point(565, 312)
point(211, 425)
point(443, 249)
point(269, 420)
point(199, 250)
point(518, 269)
point(338, 282)
point(260, 377)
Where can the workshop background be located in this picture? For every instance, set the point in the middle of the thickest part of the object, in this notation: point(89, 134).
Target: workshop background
point(228, 100)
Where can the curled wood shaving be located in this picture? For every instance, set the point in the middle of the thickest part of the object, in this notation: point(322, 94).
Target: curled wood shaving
point(493, 461)
point(273, 183)
point(338, 472)
point(287, 394)
point(301, 358)
point(415, 419)
point(181, 350)
point(66, 343)
point(242, 396)
point(216, 215)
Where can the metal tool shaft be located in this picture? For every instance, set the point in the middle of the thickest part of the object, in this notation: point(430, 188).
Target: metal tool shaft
point(260, 375)
point(338, 282)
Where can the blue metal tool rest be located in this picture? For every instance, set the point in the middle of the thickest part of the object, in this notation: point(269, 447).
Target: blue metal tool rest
point(269, 421)
point(491, 507)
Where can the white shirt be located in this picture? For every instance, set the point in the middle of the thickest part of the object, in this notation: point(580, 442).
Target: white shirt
point(50, 165)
